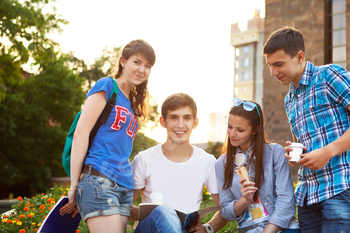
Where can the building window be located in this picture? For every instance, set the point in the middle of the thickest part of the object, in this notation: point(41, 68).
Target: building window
point(236, 78)
point(245, 62)
point(236, 91)
point(237, 52)
point(237, 64)
point(246, 49)
point(245, 76)
point(336, 32)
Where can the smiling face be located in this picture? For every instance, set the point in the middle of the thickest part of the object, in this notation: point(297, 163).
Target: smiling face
point(286, 69)
point(136, 69)
point(179, 124)
point(240, 132)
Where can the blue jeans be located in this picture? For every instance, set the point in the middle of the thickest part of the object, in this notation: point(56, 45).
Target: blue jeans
point(331, 215)
point(161, 219)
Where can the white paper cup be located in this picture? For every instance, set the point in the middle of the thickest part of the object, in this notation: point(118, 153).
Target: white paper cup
point(296, 152)
point(156, 198)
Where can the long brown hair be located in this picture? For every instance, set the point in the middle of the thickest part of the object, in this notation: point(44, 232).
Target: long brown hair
point(259, 140)
point(139, 95)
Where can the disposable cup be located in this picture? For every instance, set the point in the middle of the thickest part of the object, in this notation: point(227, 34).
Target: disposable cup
point(296, 152)
point(156, 198)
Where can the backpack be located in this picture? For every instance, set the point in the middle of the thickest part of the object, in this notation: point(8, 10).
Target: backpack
point(101, 120)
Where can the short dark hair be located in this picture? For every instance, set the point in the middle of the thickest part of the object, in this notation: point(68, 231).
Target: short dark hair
point(288, 39)
point(176, 101)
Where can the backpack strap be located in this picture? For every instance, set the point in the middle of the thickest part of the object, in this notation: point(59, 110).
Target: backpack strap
point(106, 111)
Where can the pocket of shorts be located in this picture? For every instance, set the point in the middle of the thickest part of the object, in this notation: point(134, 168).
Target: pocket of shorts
point(105, 183)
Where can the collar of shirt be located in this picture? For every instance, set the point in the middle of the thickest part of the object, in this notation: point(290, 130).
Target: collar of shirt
point(305, 79)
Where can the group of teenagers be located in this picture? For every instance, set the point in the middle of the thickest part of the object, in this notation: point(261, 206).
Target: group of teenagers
point(104, 184)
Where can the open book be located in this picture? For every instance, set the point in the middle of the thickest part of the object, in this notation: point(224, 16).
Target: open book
point(187, 219)
point(56, 223)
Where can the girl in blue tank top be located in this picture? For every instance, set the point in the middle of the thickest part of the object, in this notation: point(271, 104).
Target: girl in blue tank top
point(101, 187)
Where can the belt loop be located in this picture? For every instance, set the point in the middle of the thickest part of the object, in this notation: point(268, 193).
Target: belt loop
point(90, 167)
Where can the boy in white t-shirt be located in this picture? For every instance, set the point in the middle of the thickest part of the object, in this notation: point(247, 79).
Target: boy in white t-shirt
point(176, 169)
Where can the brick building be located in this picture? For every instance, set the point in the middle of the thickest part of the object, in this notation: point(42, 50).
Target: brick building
point(325, 25)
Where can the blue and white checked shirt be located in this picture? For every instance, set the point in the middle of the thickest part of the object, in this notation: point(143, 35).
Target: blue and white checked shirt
point(317, 112)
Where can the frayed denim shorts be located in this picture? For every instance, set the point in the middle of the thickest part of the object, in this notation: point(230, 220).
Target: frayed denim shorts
point(98, 196)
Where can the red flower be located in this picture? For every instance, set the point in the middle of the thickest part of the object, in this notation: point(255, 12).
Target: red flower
point(26, 209)
point(19, 198)
point(22, 231)
point(42, 206)
point(9, 221)
point(78, 231)
point(21, 216)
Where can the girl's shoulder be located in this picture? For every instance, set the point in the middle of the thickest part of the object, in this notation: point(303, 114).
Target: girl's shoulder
point(220, 162)
point(274, 148)
point(103, 84)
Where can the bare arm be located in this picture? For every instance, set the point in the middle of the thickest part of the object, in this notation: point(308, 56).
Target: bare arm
point(91, 111)
point(217, 221)
point(134, 213)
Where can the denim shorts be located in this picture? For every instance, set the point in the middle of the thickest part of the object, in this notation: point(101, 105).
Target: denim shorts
point(98, 196)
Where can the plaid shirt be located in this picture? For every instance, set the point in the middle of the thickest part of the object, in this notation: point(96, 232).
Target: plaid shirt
point(317, 112)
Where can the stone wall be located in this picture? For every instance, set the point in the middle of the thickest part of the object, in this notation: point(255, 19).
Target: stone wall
point(309, 17)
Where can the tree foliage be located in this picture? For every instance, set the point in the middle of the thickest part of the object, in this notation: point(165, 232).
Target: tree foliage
point(34, 118)
point(36, 109)
point(23, 29)
point(214, 148)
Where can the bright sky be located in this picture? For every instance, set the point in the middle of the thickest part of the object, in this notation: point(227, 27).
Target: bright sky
point(191, 39)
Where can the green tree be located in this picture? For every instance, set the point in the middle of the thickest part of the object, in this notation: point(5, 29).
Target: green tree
point(102, 66)
point(214, 148)
point(23, 30)
point(36, 109)
point(34, 118)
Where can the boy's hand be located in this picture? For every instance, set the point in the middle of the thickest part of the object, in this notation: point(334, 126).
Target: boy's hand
point(316, 159)
point(287, 149)
point(197, 226)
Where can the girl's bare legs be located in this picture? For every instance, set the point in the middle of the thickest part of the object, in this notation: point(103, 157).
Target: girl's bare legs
point(112, 223)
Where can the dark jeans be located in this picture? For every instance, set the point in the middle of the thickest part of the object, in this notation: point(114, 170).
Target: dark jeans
point(331, 215)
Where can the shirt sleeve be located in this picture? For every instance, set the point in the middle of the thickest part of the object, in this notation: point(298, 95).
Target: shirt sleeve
point(285, 202)
point(227, 199)
point(338, 80)
point(211, 182)
point(139, 169)
point(103, 84)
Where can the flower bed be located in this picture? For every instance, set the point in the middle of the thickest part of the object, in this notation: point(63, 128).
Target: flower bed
point(27, 216)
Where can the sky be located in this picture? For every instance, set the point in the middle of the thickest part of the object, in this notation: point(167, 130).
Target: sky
point(191, 39)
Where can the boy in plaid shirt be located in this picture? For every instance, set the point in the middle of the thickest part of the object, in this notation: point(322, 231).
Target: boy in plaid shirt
point(318, 110)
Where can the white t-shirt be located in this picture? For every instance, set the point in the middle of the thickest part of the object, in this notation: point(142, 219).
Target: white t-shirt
point(180, 183)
